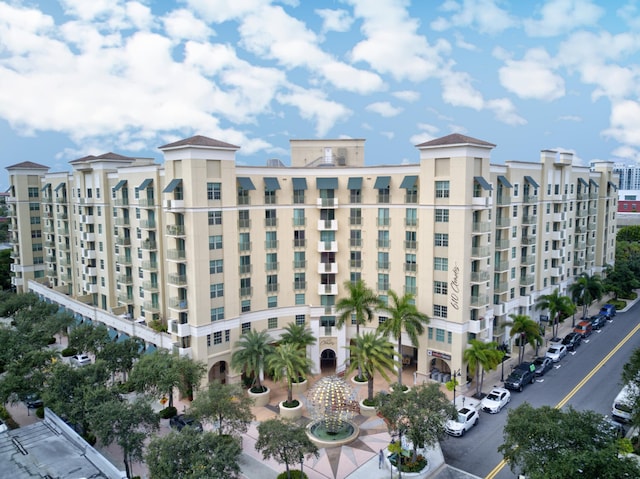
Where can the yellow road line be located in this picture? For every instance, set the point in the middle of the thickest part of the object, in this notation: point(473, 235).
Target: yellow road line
point(494, 472)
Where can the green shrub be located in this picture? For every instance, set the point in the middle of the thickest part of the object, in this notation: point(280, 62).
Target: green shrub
point(90, 438)
point(369, 402)
point(66, 352)
point(52, 340)
point(294, 403)
point(361, 379)
point(168, 412)
point(259, 390)
point(295, 474)
point(7, 419)
point(618, 303)
point(40, 412)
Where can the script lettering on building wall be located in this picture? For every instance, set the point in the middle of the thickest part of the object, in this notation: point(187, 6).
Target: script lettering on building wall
point(454, 288)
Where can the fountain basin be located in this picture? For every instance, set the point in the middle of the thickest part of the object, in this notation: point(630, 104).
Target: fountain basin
point(318, 434)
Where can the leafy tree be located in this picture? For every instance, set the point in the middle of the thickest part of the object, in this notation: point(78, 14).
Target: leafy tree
point(285, 442)
point(299, 335)
point(190, 454)
point(120, 357)
point(360, 303)
point(481, 357)
point(371, 353)
point(5, 267)
point(161, 372)
point(289, 362)
point(527, 330)
point(126, 424)
point(585, 290)
point(89, 338)
point(547, 443)
point(621, 280)
point(25, 374)
point(631, 376)
point(559, 307)
point(225, 406)
point(419, 414)
point(16, 302)
point(403, 315)
point(629, 233)
point(250, 355)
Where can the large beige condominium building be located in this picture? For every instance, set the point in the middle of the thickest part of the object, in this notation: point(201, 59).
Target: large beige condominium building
point(213, 248)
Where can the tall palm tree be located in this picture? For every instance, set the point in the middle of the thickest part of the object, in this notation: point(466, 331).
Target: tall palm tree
point(253, 349)
point(361, 302)
point(403, 314)
point(557, 304)
point(585, 290)
point(482, 357)
point(299, 335)
point(289, 362)
point(372, 353)
point(527, 330)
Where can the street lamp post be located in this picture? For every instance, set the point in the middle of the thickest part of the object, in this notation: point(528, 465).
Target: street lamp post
point(456, 374)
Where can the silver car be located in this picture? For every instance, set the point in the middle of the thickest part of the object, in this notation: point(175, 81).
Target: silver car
point(556, 352)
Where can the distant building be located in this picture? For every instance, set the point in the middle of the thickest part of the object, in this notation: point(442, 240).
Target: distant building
point(628, 176)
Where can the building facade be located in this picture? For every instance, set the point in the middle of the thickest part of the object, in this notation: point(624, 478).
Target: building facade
point(212, 248)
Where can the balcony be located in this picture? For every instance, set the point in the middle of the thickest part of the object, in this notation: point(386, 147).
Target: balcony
point(528, 240)
point(556, 217)
point(580, 245)
point(146, 202)
point(503, 222)
point(299, 285)
point(125, 298)
point(590, 256)
point(327, 225)
point(500, 287)
point(327, 289)
point(63, 231)
point(355, 264)
point(121, 202)
point(150, 265)
point(90, 288)
point(591, 241)
point(479, 301)
point(179, 304)
point(593, 211)
point(180, 329)
point(327, 246)
point(62, 200)
point(355, 221)
point(87, 219)
point(151, 306)
point(527, 280)
point(482, 201)
point(479, 276)
point(47, 214)
point(557, 253)
point(355, 242)
point(175, 230)
point(180, 351)
point(327, 202)
point(50, 258)
point(384, 222)
point(502, 244)
point(299, 264)
point(480, 251)
point(411, 222)
point(89, 237)
point(559, 271)
point(382, 264)
point(151, 286)
point(123, 259)
point(529, 220)
point(124, 279)
point(149, 245)
point(272, 266)
point(528, 260)
point(122, 222)
point(591, 226)
point(88, 253)
point(123, 241)
point(244, 269)
point(148, 224)
point(173, 204)
point(383, 243)
point(557, 235)
point(481, 227)
point(477, 326)
point(501, 266)
point(90, 271)
point(503, 199)
point(66, 277)
point(176, 255)
point(177, 279)
point(579, 262)
point(330, 268)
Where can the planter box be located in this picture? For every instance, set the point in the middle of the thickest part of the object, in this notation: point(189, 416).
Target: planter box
point(367, 411)
point(260, 399)
point(358, 383)
point(299, 388)
point(290, 412)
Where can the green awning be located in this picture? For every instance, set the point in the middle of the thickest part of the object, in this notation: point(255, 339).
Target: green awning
point(46, 187)
point(591, 182)
point(531, 181)
point(59, 186)
point(503, 180)
point(271, 184)
point(354, 183)
point(145, 184)
point(584, 182)
point(409, 182)
point(327, 183)
point(120, 184)
point(483, 183)
point(245, 183)
point(382, 182)
point(173, 184)
point(299, 183)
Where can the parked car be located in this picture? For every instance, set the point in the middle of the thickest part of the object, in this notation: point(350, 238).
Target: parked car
point(3, 426)
point(467, 418)
point(522, 374)
point(583, 328)
point(33, 401)
point(80, 360)
point(608, 310)
point(180, 421)
point(496, 400)
point(572, 341)
point(556, 352)
point(542, 364)
point(598, 321)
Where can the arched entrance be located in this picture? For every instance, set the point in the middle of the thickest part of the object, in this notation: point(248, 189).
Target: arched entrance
point(328, 361)
point(218, 372)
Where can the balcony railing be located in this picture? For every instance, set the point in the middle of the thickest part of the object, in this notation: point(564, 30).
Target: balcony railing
point(149, 245)
point(150, 265)
point(410, 267)
point(178, 303)
point(244, 269)
point(527, 280)
point(176, 254)
point(177, 279)
point(479, 300)
point(125, 279)
point(151, 286)
point(175, 230)
point(148, 224)
point(479, 276)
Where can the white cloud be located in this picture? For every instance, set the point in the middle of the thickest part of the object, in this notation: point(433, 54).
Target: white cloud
point(532, 77)
point(483, 15)
point(383, 108)
point(426, 132)
point(577, 119)
point(625, 123)
point(409, 96)
point(182, 25)
point(313, 105)
point(558, 17)
point(389, 135)
point(505, 111)
point(335, 20)
point(458, 91)
point(627, 153)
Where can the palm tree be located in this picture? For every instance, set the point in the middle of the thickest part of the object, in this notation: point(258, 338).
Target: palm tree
point(298, 334)
point(253, 349)
point(585, 290)
point(403, 314)
point(557, 305)
point(481, 357)
point(372, 353)
point(527, 330)
point(361, 302)
point(288, 361)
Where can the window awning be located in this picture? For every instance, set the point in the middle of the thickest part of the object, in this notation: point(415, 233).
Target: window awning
point(271, 184)
point(173, 184)
point(583, 181)
point(409, 182)
point(591, 182)
point(299, 183)
point(327, 183)
point(354, 183)
point(46, 187)
point(145, 184)
point(482, 182)
point(122, 337)
point(382, 182)
point(612, 185)
point(503, 180)
point(150, 349)
point(119, 185)
point(245, 183)
point(59, 186)
point(531, 181)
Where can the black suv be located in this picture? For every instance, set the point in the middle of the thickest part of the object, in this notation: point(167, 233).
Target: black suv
point(181, 421)
point(572, 341)
point(523, 374)
point(598, 321)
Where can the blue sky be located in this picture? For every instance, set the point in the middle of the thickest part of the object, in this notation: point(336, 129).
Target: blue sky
point(82, 77)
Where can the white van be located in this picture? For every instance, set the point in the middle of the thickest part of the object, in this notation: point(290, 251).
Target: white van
point(622, 409)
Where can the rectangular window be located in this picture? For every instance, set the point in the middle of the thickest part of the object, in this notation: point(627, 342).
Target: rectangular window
point(411, 217)
point(270, 218)
point(245, 305)
point(439, 311)
point(215, 266)
point(245, 328)
point(217, 314)
point(300, 319)
point(383, 216)
point(515, 211)
point(272, 323)
point(383, 282)
point(440, 335)
point(355, 216)
point(381, 319)
point(215, 218)
point(440, 264)
point(355, 196)
point(217, 337)
point(34, 206)
point(430, 333)
point(272, 302)
point(214, 191)
point(272, 283)
point(33, 192)
point(441, 239)
point(215, 242)
point(271, 239)
point(208, 340)
point(298, 217)
point(383, 239)
point(449, 337)
point(440, 287)
point(442, 215)
point(442, 189)
point(227, 335)
point(300, 298)
point(298, 197)
point(216, 290)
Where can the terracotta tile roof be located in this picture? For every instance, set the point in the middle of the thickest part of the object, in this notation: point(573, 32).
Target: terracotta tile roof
point(455, 139)
point(83, 159)
point(104, 156)
point(199, 140)
point(28, 165)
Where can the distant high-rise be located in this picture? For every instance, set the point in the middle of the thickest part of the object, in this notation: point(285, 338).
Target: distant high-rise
point(629, 176)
